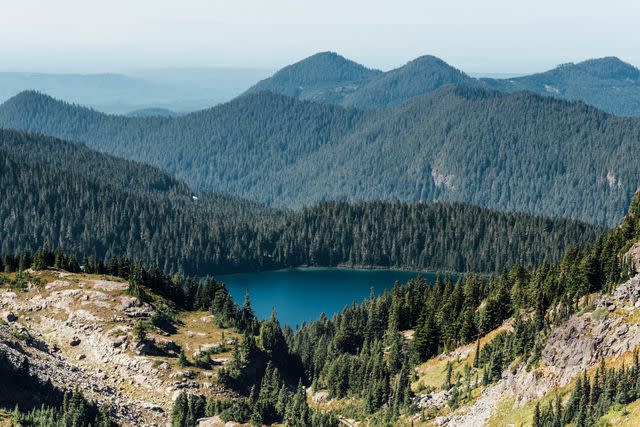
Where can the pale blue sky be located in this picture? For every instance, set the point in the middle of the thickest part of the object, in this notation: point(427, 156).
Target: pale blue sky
point(477, 36)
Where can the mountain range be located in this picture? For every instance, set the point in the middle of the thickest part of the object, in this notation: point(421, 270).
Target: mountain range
point(606, 83)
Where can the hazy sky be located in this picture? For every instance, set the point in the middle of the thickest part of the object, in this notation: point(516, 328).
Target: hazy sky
point(475, 35)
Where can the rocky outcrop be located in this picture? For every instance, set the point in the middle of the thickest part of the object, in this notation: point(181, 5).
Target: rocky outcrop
point(633, 255)
point(604, 333)
point(50, 365)
point(608, 331)
point(75, 331)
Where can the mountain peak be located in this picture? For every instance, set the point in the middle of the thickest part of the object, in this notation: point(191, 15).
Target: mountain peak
point(417, 77)
point(33, 99)
point(610, 67)
point(428, 60)
point(322, 67)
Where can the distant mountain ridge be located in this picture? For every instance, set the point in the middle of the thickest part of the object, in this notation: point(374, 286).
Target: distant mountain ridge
point(179, 90)
point(516, 152)
point(606, 83)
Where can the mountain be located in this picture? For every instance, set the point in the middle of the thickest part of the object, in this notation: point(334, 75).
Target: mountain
point(518, 151)
point(118, 342)
point(79, 159)
point(418, 77)
point(229, 148)
point(606, 83)
point(325, 76)
point(331, 78)
point(153, 112)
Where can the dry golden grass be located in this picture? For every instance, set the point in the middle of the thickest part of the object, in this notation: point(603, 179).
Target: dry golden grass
point(198, 328)
point(433, 372)
point(622, 416)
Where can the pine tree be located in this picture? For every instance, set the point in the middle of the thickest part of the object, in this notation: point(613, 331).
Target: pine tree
point(447, 381)
point(536, 416)
point(179, 413)
point(183, 362)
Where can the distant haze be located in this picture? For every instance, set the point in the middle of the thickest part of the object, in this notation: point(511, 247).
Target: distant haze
point(493, 36)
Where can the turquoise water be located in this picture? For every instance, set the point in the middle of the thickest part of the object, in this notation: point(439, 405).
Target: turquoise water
point(301, 295)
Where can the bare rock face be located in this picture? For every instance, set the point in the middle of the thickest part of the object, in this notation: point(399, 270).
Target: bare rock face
point(434, 399)
point(211, 422)
point(586, 339)
point(633, 254)
point(51, 366)
point(134, 307)
point(320, 396)
point(76, 334)
point(204, 348)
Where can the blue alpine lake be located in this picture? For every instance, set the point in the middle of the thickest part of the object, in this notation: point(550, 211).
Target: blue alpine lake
point(302, 294)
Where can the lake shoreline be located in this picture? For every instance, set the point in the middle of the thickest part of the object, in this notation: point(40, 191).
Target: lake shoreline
point(357, 267)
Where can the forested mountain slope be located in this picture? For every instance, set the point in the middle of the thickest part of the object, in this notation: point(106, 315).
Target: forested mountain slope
point(606, 83)
point(55, 193)
point(230, 148)
point(519, 152)
point(418, 77)
point(79, 159)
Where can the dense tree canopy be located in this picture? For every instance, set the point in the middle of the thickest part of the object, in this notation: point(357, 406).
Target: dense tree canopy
point(517, 152)
point(61, 195)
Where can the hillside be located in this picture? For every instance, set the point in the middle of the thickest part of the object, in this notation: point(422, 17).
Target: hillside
point(229, 148)
point(606, 83)
point(518, 152)
point(71, 331)
point(580, 368)
point(64, 195)
point(68, 156)
point(325, 76)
